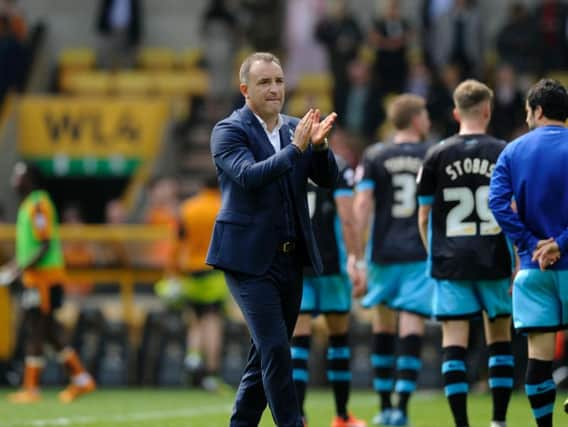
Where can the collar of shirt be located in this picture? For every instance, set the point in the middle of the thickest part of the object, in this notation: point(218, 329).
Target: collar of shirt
point(274, 136)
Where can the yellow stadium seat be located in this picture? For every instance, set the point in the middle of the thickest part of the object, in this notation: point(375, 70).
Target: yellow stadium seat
point(316, 83)
point(190, 58)
point(82, 58)
point(173, 83)
point(192, 82)
point(134, 82)
point(87, 83)
point(157, 58)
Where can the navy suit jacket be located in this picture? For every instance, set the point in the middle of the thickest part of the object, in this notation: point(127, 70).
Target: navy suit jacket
point(245, 238)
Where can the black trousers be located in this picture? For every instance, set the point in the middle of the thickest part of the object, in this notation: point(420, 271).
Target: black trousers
point(270, 304)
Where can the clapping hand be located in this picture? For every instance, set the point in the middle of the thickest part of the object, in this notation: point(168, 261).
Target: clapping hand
point(304, 130)
point(546, 253)
point(320, 130)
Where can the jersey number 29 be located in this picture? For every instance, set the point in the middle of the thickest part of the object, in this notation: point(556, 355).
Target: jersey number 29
point(456, 226)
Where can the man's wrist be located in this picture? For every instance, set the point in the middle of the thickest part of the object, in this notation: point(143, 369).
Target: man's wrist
point(297, 148)
point(360, 264)
point(562, 243)
point(321, 146)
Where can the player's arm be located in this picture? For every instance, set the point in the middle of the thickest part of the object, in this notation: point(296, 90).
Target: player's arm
point(500, 197)
point(355, 264)
point(362, 207)
point(344, 202)
point(426, 183)
point(364, 202)
point(424, 223)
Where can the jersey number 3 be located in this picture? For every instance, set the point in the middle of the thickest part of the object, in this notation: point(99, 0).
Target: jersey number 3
point(404, 196)
point(456, 226)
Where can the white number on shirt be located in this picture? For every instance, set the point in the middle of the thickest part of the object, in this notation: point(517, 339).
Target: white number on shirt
point(467, 203)
point(404, 196)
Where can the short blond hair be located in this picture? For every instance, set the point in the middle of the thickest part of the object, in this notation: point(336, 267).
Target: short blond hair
point(404, 108)
point(470, 94)
point(253, 57)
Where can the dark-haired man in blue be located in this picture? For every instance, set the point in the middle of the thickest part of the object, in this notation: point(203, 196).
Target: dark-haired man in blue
point(263, 236)
point(532, 170)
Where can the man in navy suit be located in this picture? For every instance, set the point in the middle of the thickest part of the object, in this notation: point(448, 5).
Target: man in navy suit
point(263, 236)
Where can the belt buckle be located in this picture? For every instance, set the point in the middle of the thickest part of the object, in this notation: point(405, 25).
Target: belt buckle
point(288, 247)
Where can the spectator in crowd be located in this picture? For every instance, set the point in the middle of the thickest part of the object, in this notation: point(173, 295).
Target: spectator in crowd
point(162, 210)
point(119, 23)
point(551, 16)
point(457, 39)
point(263, 24)
point(341, 35)
point(441, 104)
point(77, 253)
point(431, 11)
point(516, 42)
point(304, 55)
point(508, 118)
point(116, 254)
point(18, 25)
point(360, 109)
point(390, 36)
point(220, 37)
point(12, 58)
point(419, 79)
point(115, 212)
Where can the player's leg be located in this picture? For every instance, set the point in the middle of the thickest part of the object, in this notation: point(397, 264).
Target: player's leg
point(454, 303)
point(383, 359)
point(414, 302)
point(211, 326)
point(539, 385)
point(539, 309)
point(193, 361)
point(81, 380)
point(339, 369)
point(455, 336)
point(383, 284)
point(408, 363)
point(301, 342)
point(501, 366)
point(205, 293)
point(34, 360)
point(497, 325)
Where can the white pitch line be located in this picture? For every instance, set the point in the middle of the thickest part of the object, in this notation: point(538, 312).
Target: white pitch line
point(140, 416)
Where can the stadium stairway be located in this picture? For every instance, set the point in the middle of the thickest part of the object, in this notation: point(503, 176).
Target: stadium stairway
point(195, 161)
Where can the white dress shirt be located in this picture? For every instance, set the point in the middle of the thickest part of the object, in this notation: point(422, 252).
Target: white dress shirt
point(273, 136)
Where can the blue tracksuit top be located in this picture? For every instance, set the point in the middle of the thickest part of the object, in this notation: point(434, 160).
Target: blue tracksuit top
point(533, 170)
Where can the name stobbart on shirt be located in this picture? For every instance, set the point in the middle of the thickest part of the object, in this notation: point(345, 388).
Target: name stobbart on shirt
point(469, 166)
point(403, 164)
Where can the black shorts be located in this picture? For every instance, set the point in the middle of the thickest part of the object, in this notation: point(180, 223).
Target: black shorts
point(201, 309)
point(31, 298)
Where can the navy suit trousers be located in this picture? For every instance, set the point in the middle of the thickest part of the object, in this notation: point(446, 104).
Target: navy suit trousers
point(270, 304)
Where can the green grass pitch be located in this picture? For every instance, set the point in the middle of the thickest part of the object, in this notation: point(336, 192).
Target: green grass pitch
point(189, 408)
